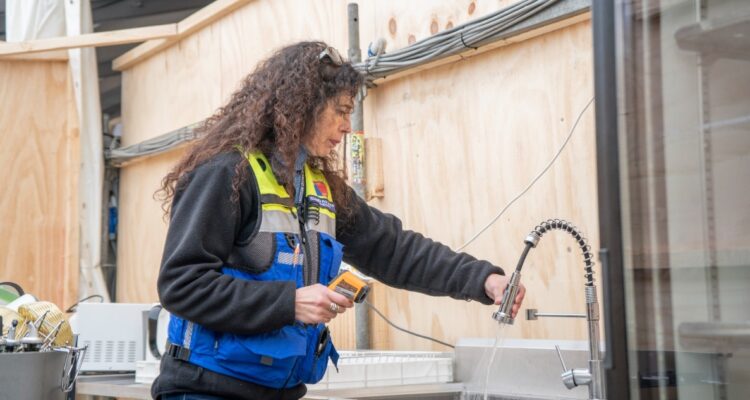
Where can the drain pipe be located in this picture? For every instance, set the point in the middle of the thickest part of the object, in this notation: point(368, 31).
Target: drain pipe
point(356, 163)
point(356, 139)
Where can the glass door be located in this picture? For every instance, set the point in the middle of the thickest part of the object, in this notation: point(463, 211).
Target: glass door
point(680, 90)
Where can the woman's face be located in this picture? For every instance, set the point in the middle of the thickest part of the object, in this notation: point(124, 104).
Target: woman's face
point(330, 127)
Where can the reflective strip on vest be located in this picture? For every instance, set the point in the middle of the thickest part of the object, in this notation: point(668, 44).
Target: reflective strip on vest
point(188, 335)
point(324, 224)
point(278, 221)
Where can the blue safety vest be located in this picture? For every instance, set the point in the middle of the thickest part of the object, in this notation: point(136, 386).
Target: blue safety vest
point(295, 353)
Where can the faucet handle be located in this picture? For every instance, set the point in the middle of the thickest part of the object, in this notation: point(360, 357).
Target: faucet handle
point(573, 377)
point(562, 361)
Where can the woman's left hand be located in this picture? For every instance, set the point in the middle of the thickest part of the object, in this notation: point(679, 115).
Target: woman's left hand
point(494, 287)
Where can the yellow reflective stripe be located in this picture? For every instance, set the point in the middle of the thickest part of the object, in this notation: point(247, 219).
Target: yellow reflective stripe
point(267, 183)
point(327, 213)
point(279, 207)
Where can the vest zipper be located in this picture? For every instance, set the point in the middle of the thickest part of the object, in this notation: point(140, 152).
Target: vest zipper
point(307, 268)
point(302, 218)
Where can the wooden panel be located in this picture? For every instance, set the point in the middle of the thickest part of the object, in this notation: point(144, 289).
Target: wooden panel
point(178, 88)
point(251, 33)
point(188, 26)
point(142, 229)
point(175, 89)
point(401, 23)
point(343, 331)
point(374, 168)
point(468, 53)
point(38, 204)
point(458, 142)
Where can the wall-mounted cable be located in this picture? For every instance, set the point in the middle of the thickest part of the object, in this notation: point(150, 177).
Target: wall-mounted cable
point(533, 181)
point(470, 35)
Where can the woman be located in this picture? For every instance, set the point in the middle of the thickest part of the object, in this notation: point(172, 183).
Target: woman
point(260, 221)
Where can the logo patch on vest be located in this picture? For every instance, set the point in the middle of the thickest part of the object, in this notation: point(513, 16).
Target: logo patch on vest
point(320, 189)
point(321, 203)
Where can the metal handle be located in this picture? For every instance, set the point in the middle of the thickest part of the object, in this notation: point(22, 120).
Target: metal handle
point(573, 377)
point(559, 355)
point(576, 377)
point(153, 324)
point(532, 314)
point(72, 367)
point(504, 313)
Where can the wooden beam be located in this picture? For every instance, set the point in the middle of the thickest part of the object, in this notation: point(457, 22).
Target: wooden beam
point(200, 19)
point(84, 76)
point(207, 15)
point(53, 55)
point(109, 38)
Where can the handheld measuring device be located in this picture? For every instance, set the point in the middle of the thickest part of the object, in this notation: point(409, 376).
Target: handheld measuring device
point(351, 286)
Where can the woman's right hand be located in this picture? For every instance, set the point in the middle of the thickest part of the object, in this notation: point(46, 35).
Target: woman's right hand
point(312, 304)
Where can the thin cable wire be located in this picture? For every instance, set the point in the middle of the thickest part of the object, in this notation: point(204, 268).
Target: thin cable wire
point(406, 330)
point(544, 171)
point(93, 296)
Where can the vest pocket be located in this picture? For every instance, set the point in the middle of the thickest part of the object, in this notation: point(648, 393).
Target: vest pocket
point(319, 349)
point(268, 356)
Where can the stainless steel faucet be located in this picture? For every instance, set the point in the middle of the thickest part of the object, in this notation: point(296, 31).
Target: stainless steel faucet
point(593, 377)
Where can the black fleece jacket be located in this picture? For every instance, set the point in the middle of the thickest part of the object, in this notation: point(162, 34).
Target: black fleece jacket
point(204, 227)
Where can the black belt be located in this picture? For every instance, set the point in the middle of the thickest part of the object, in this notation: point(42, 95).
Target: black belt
point(177, 352)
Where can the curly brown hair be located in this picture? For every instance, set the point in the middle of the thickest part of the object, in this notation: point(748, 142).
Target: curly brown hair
point(274, 111)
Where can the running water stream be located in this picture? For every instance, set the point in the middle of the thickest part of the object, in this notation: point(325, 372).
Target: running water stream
point(478, 387)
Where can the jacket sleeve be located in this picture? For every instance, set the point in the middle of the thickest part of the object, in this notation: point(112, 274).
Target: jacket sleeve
point(203, 228)
point(377, 245)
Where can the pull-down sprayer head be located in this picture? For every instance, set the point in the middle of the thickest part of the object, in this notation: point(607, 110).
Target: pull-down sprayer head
point(504, 314)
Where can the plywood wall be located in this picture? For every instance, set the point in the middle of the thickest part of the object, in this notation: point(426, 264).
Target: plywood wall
point(459, 141)
point(39, 159)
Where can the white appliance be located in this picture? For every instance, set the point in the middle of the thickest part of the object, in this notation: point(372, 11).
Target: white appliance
point(116, 334)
